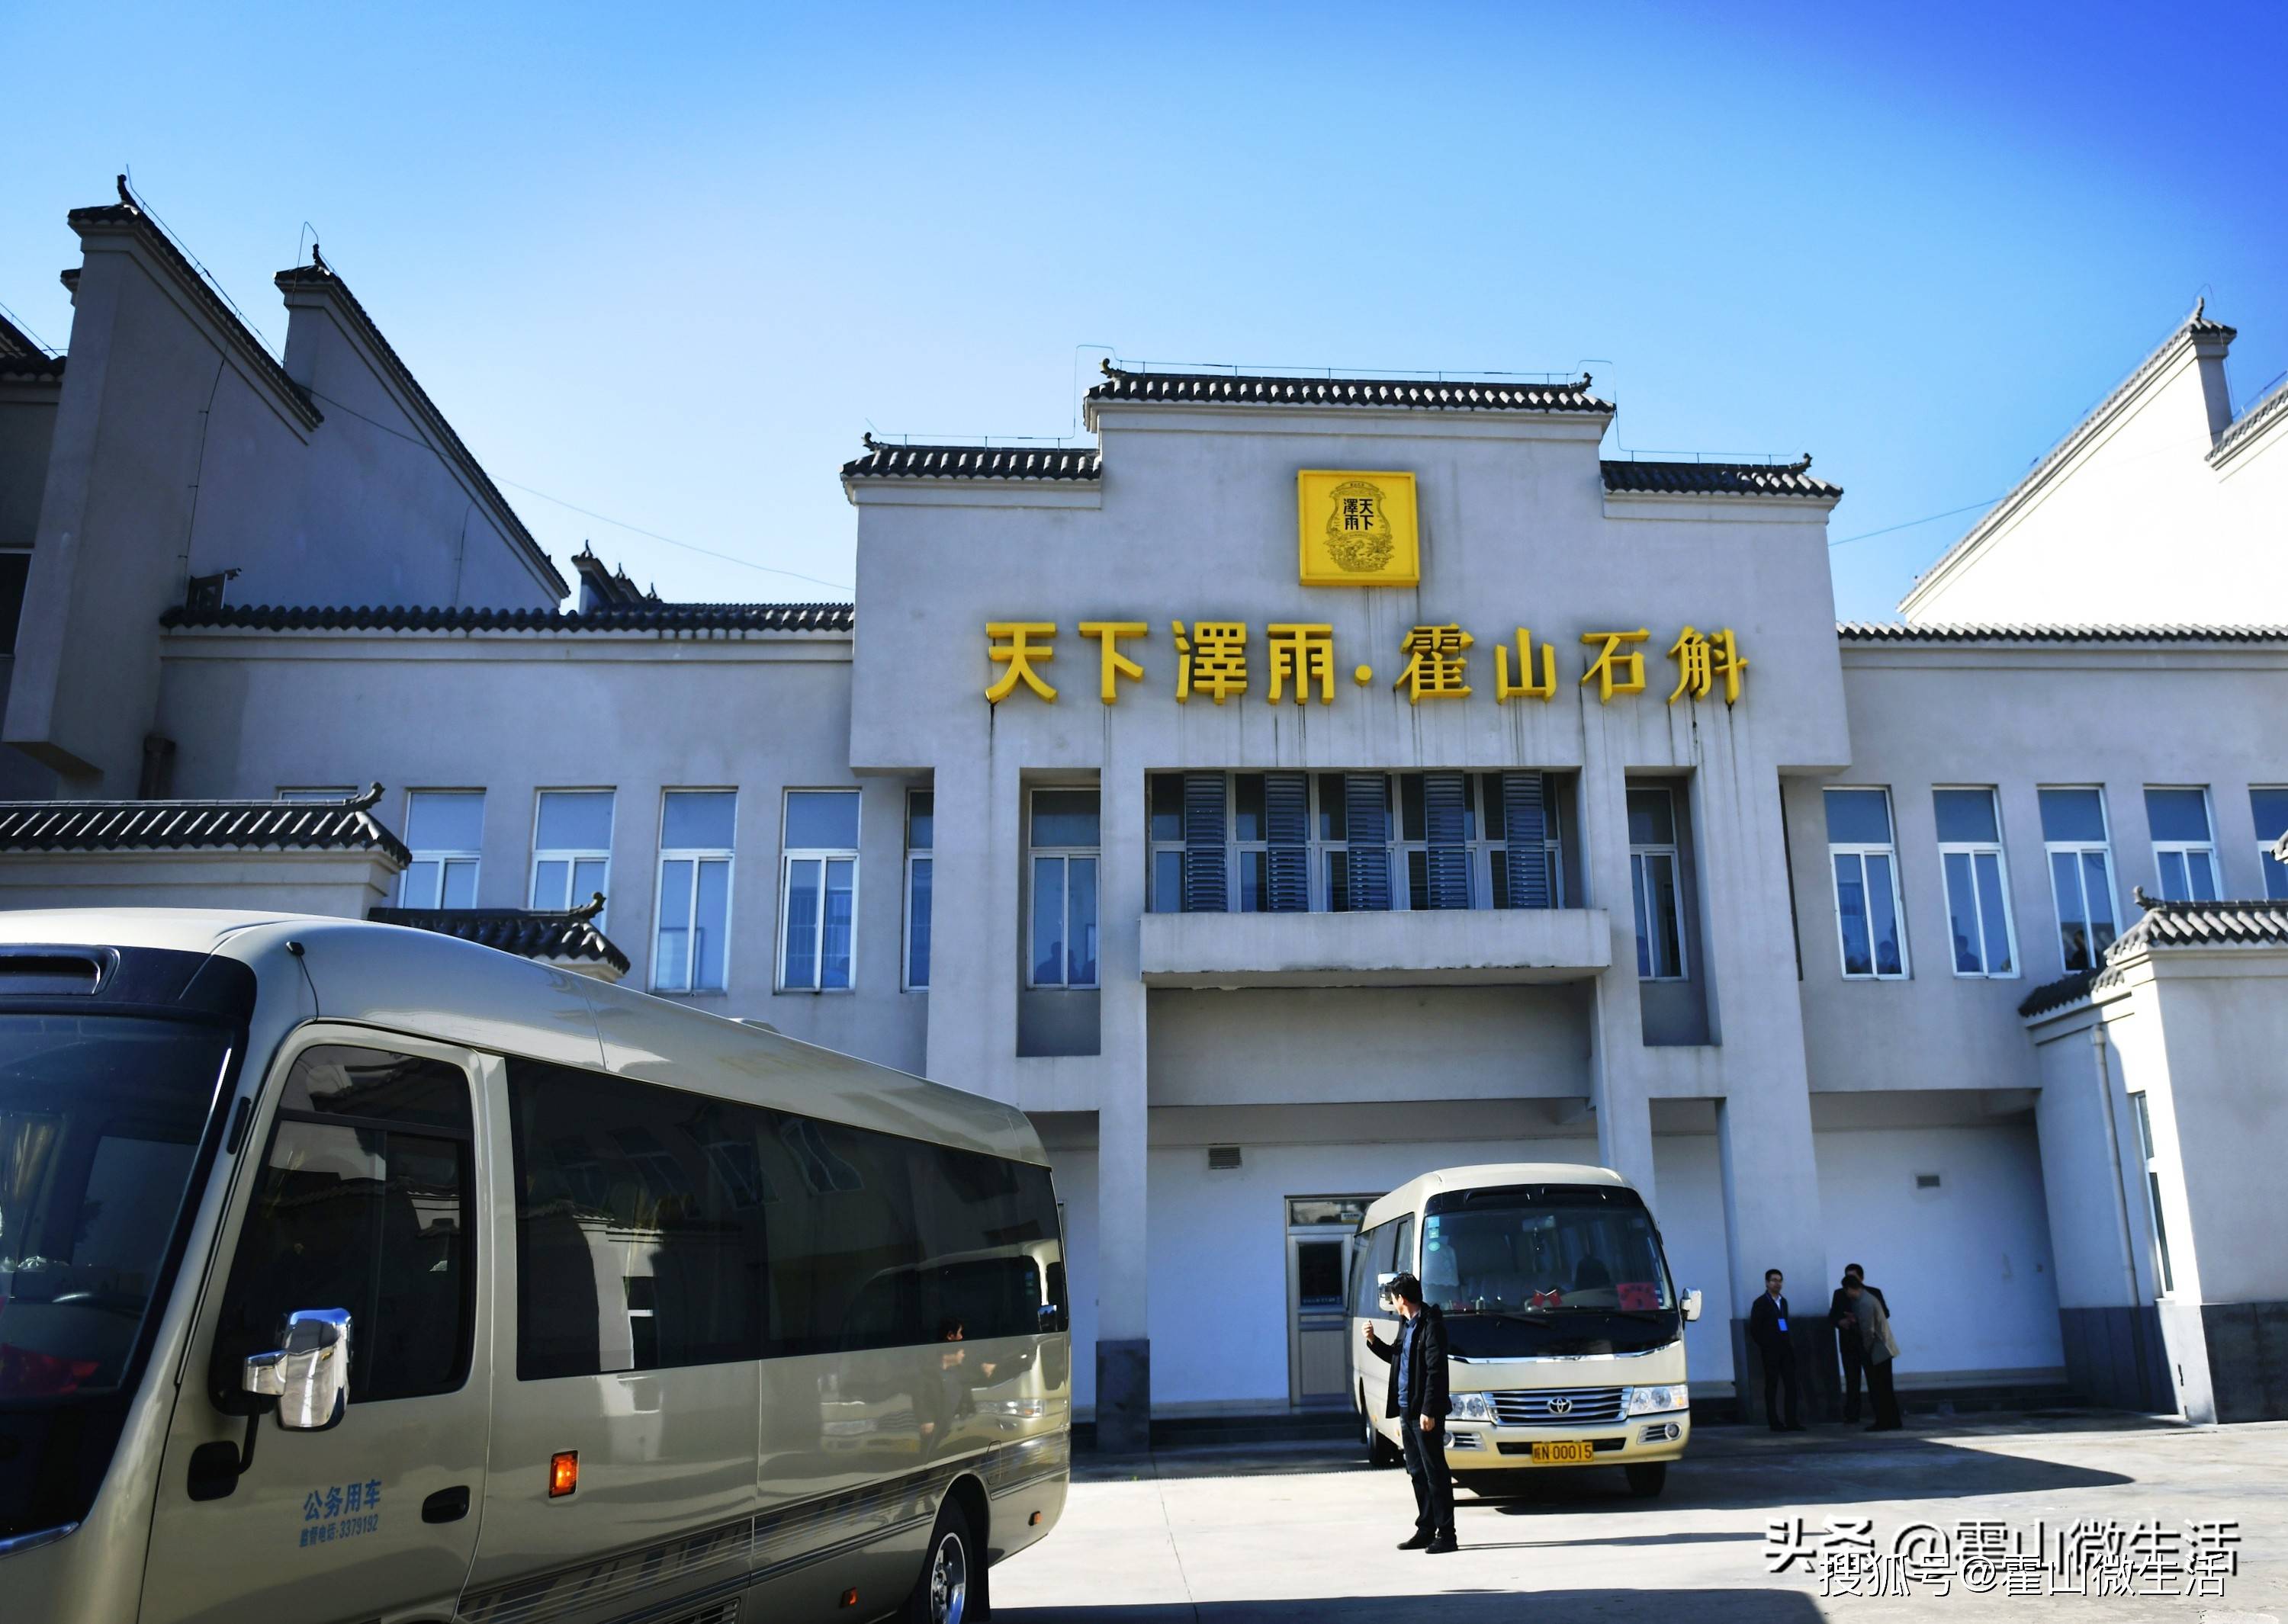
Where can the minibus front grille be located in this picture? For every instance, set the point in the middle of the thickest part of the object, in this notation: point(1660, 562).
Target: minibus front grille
point(1560, 1407)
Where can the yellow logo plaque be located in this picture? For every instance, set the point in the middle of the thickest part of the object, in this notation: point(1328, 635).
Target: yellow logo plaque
point(1358, 528)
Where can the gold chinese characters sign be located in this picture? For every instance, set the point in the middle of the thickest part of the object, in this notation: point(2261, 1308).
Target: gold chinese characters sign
point(1220, 660)
point(1358, 529)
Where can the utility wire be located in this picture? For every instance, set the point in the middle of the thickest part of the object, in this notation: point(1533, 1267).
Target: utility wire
point(1865, 536)
point(588, 512)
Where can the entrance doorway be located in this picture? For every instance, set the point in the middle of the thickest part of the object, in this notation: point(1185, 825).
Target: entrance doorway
point(1321, 1231)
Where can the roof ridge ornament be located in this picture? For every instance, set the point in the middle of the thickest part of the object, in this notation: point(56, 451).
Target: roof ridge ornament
point(367, 801)
point(1802, 465)
point(126, 196)
point(589, 909)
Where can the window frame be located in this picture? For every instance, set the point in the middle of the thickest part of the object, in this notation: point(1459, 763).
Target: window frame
point(2271, 873)
point(571, 856)
point(1641, 894)
point(1974, 850)
point(2052, 849)
point(924, 856)
point(442, 855)
point(1063, 856)
point(824, 856)
point(2165, 1273)
point(1860, 850)
point(694, 855)
point(2185, 851)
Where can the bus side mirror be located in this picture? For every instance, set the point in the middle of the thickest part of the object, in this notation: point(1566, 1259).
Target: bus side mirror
point(1691, 1305)
point(1382, 1288)
point(309, 1376)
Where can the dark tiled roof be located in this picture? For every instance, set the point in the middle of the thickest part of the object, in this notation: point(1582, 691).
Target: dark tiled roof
point(1718, 479)
point(2058, 994)
point(251, 349)
point(884, 461)
point(2166, 925)
point(2202, 924)
point(187, 825)
point(30, 367)
point(2271, 408)
point(320, 275)
point(550, 937)
point(1127, 388)
point(660, 617)
point(14, 341)
point(1884, 631)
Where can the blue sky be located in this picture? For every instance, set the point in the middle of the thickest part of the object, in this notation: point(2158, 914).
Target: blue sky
point(667, 265)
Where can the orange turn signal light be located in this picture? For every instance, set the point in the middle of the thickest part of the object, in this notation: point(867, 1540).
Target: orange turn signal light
point(850, 1598)
point(1033, 1521)
point(563, 1473)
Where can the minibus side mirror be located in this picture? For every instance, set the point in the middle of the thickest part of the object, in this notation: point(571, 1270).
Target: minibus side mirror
point(309, 1376)
point(1382, 1290)
point(1691, 1305)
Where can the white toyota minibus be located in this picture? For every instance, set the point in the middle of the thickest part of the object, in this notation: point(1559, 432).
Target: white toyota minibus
point(1564, 1331)
point(355, 1272)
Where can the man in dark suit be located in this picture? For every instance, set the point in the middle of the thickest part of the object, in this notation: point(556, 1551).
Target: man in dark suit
point(1416, 1400)
point(1768, 1329)
point(1850, 1347)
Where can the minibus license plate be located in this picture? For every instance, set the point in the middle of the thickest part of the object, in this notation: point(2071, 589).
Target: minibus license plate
point(1572, 1452)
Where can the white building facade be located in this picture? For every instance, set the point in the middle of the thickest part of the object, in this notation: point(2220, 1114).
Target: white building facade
point(1314, 782)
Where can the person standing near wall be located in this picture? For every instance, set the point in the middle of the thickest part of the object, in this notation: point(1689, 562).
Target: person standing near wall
point(1877, 1347)
point(1417, 1400)
point(1848, 1348)
point(1768, 1329)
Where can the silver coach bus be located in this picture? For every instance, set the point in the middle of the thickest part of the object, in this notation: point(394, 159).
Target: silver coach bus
point(355, 1273)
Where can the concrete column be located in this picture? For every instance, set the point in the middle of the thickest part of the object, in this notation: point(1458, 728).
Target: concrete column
point(1771, 1221)
point(2114, 1349)
point(1617, 1078)
point(1124, 1348)
point(972, 1028)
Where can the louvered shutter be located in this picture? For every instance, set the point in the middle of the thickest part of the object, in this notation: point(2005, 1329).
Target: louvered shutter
point(1287, 819)
point(1525, 833)
point(1206, 889)
point(1446, 814)
point(1367, 814)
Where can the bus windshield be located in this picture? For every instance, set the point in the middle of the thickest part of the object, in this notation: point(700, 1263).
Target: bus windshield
point(1547, 1271)
point(99, 1121)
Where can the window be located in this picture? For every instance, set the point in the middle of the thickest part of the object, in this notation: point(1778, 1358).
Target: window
point(1471, 856)
point(1977, 882)
point(2184, 844)
point(2137, 1103)
point(1653, 879)
point(691, 949)
point(818, 891)
point(1063, 838)
point(640, 1212)
point(15, 575)
point(365, 1203)
point(1866, 863)
point(657, 1228)
point(2081, 872)
point(921, 829)
point(571, 849)
point(2270, 807)
point(445, 831)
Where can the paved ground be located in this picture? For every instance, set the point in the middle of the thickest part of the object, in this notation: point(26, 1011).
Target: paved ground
point(1303, 1534)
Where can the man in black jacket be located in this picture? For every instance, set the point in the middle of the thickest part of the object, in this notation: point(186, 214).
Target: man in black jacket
point(1768, 1329)
point(1416, 1400)
point(1850, 1347)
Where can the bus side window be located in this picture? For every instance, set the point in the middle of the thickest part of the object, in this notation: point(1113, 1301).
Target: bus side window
point(364, 1202)
point(1402, 1254)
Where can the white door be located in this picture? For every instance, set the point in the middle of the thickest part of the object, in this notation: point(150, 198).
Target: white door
point(1321, 1232)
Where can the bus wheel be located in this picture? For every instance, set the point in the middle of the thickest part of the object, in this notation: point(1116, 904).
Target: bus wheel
point(1379, 1450)
point(1647, 1480)
point(951, 1589)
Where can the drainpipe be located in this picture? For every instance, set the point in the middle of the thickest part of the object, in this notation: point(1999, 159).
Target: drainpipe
point(2113, 1143)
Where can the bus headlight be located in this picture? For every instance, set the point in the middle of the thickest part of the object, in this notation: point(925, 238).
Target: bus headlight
point(1471, 1406)
point(1647, 1400)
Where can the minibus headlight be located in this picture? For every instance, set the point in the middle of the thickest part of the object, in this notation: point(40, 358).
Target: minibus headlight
point(1471, 1406)
point(1647, 1400)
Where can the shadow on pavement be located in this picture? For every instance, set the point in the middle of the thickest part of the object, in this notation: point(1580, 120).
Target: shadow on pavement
point(1603, 1606)
point(1918, 1468)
